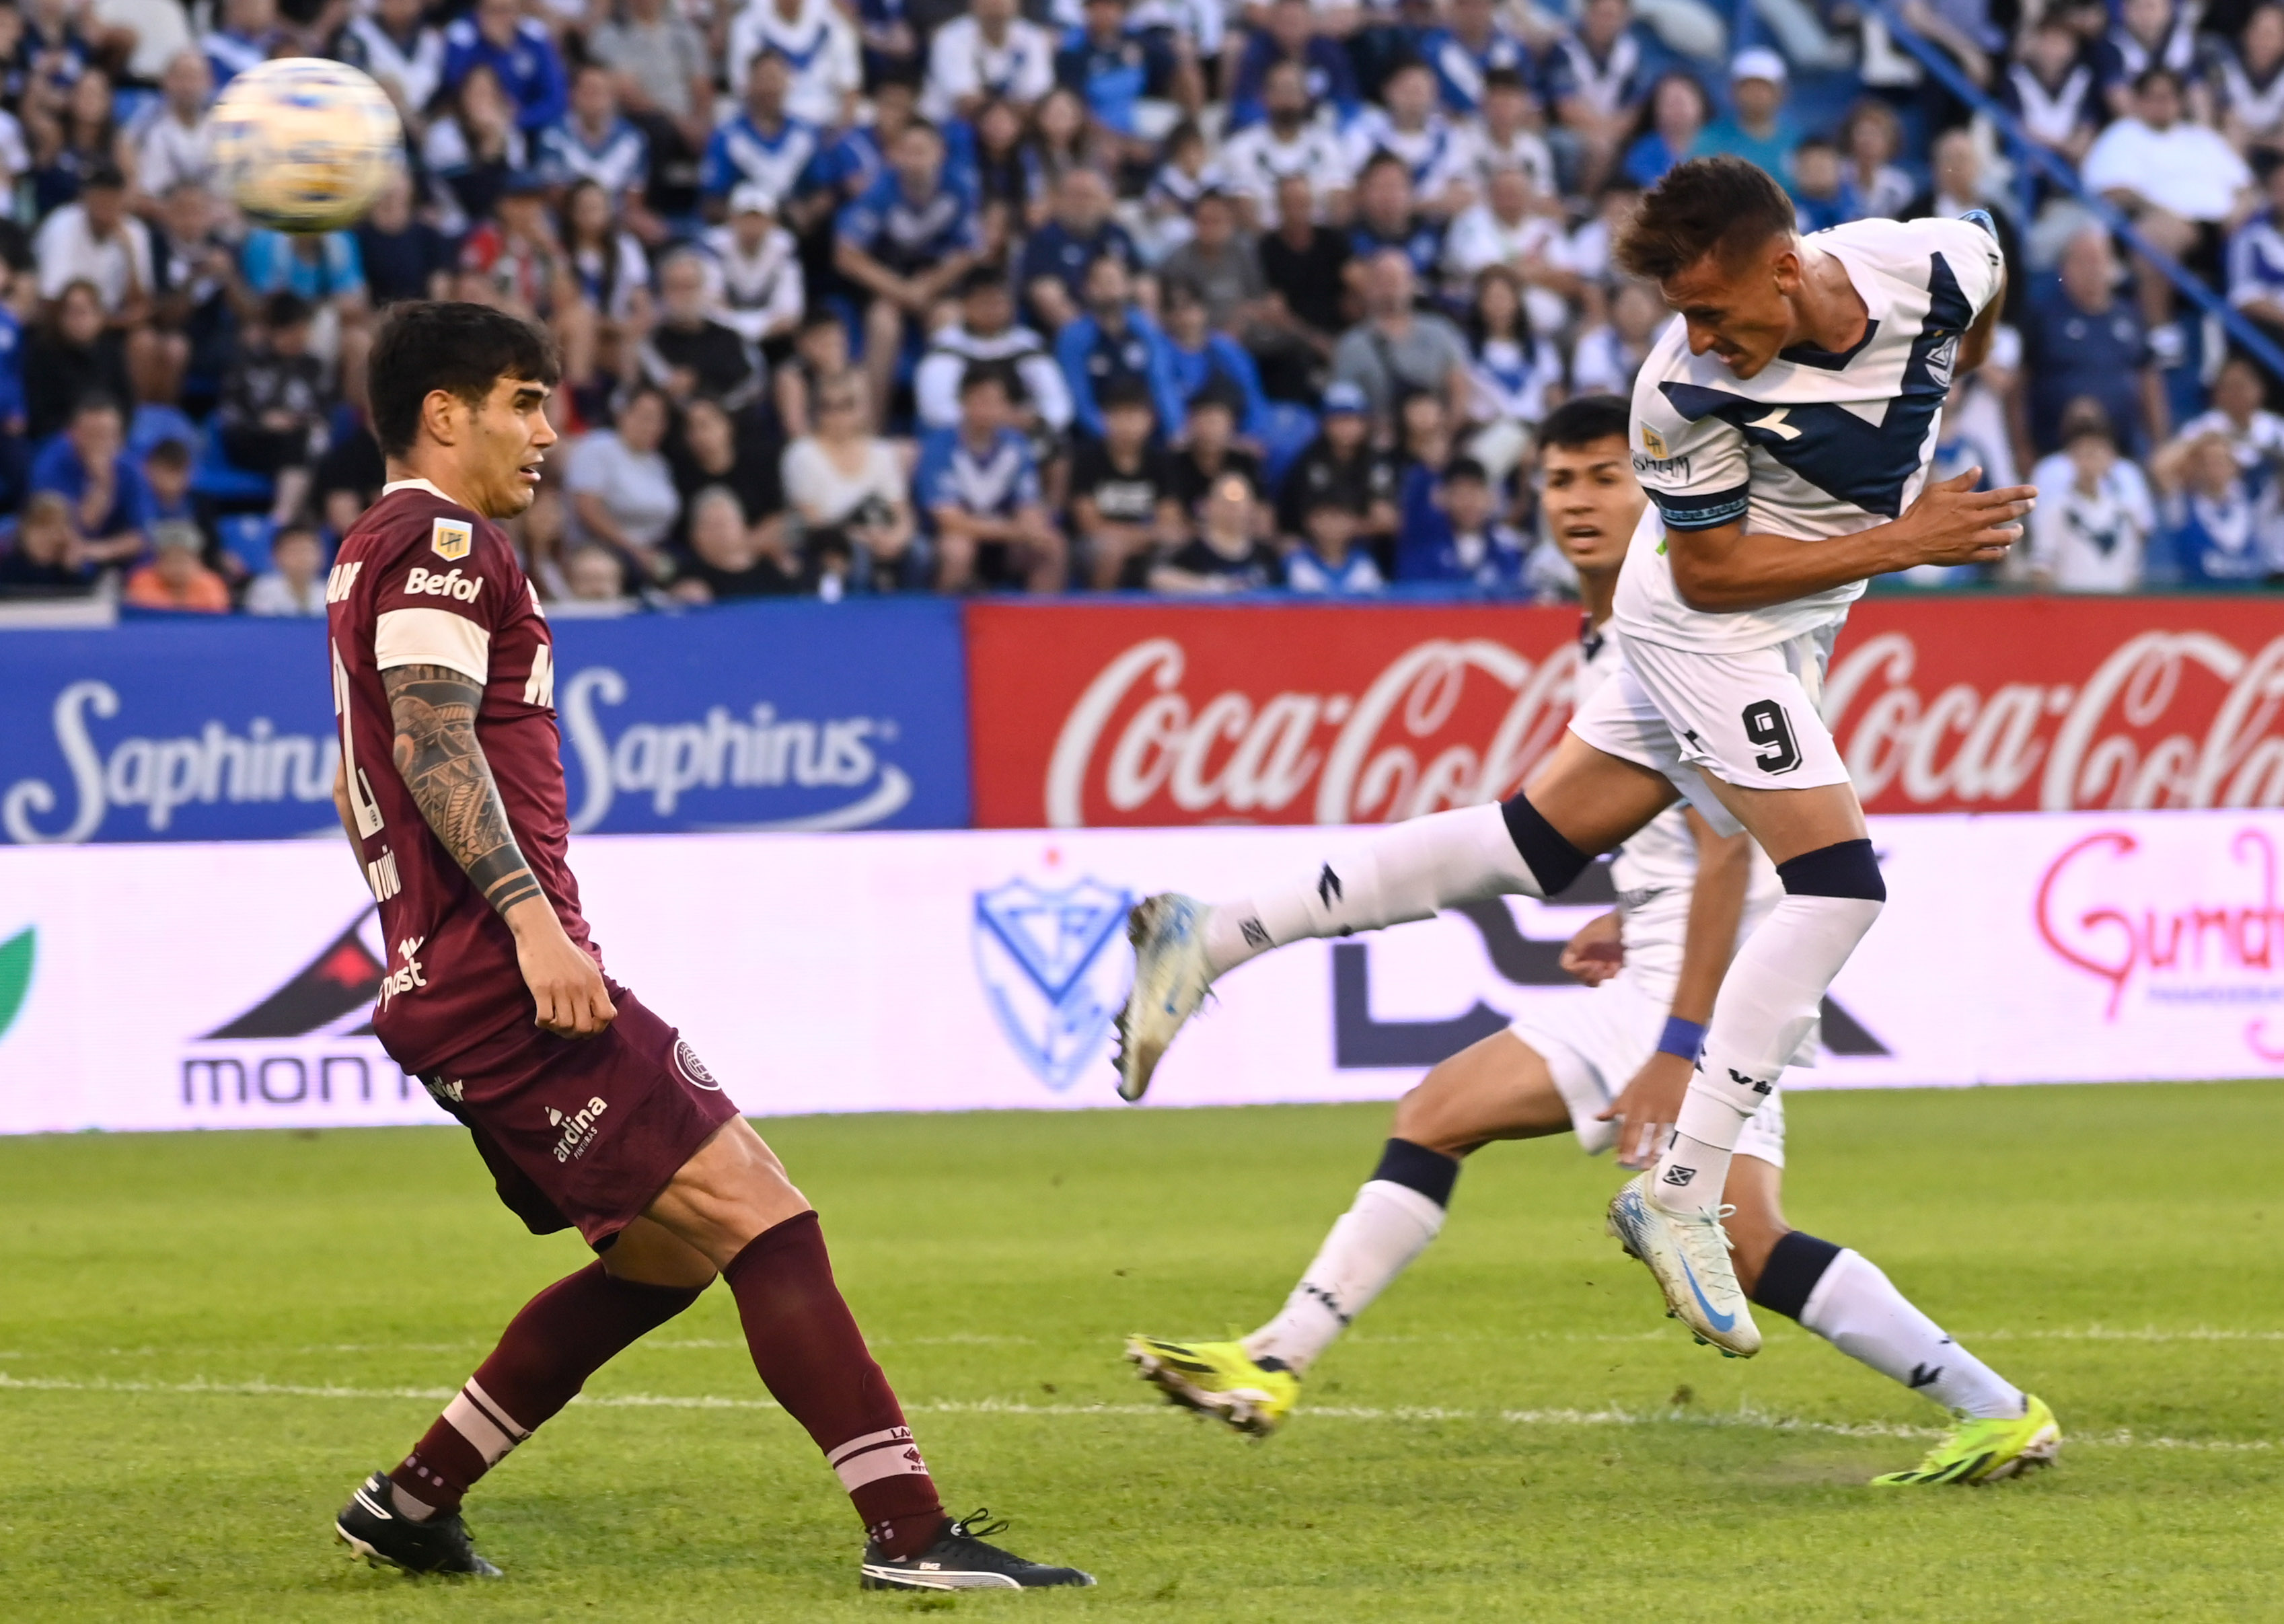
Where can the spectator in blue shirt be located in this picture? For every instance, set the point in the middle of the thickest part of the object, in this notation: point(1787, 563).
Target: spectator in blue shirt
point(906, 242)
point(2080, 339)
point(317, 267)
point(595, 142)
point(1112, 70)
point(519, 51)
point(764, 145)
point(1113, 341)
point(248, 34)
point(1292, 36)
point(979, 487)
point(1060, 253)
point(88, 466)
point(1330, 562)
point(1470, 547)
point(2212, 518)
point(1674, 119)
point(11, 407)
point(1471, 46)
point(2256, 261)
point(1203, 359)
point(1757, 131)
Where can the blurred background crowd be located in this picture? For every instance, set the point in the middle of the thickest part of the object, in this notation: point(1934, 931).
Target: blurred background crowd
point(1182, 296)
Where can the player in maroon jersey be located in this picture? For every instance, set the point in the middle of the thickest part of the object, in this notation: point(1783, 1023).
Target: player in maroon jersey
point(587, 1108)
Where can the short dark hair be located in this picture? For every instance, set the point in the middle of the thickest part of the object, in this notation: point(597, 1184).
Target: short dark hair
point(2151, 75)
point(1125, 394)
point(1579, 423)
point(462, 348)
point(981, 374)
point(1724, 206)
point(1468, 468)
point(96, 399)
point(285, 308)
point(1503, 78)
point(103, 176)
point(172, 455)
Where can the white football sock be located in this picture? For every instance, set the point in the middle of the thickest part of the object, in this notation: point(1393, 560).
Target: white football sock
point(1401, 872)
point(1375, 1241)
point(1857, 1309)
point(1768, 1001)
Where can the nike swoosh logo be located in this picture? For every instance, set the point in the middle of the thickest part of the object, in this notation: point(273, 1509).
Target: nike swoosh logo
point(1719, 1321)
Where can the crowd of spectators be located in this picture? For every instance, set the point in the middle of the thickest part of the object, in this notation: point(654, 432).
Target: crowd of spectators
point(1182, 296)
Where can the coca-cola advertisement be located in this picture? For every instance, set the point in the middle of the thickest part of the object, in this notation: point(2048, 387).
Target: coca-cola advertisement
point(1171, 715)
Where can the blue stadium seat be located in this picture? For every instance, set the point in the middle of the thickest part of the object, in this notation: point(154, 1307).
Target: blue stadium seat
point(247, 535)
point(218, 479)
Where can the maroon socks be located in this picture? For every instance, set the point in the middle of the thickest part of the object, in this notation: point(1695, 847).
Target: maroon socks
point(563, 1336)
point(812, 1358)
point(805, 1343)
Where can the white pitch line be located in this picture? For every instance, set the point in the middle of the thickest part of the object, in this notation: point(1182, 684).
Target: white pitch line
point(1754, 1420)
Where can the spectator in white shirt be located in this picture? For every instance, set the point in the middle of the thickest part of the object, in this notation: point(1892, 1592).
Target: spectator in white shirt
point(621, 486)
point(292, 584)
point(2090, 528)
point(990, 52)
point(402, 52)
point(756, 277)
point(819, 48)
point(1506, 229)
point(172, 142)
point(96, 241)
point(2182, 184)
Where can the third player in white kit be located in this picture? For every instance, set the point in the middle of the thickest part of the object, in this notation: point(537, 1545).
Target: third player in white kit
point(1784, 426)
point(1608, 1067)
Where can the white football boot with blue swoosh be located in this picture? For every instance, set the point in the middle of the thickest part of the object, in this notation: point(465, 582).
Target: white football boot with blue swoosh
point(1170, 981)
point(1689, 1254)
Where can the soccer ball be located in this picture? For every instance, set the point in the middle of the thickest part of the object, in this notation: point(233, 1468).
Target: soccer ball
point(305, 144)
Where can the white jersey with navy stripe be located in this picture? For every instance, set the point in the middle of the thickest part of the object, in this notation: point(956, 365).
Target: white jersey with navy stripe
point(1818, 444)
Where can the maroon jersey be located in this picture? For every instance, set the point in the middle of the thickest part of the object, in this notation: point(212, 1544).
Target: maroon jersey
point(423, 581)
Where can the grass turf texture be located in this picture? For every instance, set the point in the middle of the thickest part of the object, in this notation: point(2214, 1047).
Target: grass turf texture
point(2104, 1246)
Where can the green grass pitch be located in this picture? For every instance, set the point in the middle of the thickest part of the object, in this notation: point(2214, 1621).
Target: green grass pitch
point(205, 1340)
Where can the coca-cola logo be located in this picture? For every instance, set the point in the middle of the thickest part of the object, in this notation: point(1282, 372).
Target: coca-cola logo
point(2168, 719)
point(1448, 721)
point(2130, 925)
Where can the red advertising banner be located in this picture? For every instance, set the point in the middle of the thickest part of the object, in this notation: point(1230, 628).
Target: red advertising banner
point(1154, 713)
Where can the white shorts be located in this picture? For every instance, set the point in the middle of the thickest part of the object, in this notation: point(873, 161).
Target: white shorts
point(1594, 1043)
point(1748, 719)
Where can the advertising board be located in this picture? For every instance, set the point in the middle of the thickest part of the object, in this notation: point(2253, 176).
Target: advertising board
point(228, 986)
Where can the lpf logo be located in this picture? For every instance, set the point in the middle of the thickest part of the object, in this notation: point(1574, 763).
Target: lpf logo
point(1052, 971)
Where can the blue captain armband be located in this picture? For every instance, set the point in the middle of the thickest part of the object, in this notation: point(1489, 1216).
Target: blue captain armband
point(1683, 1039)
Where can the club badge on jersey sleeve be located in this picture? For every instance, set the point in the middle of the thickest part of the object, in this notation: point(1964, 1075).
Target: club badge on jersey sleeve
point(451, 538)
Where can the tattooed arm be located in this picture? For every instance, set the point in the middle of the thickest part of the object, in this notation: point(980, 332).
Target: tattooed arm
point(437, 755)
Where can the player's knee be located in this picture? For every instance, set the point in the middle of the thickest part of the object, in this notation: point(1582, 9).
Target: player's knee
point(1845, 869)
point(1553, 861)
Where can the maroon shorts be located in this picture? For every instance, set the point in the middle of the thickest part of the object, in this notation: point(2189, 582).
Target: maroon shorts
point(584, 1132)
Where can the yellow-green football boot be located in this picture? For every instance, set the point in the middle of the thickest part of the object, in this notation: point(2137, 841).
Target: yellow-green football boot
point(1977, 1451)
point(1218, 1379)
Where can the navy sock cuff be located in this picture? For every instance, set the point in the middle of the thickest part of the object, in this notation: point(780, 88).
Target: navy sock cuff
point(1849, 868)
point(1796, 1262)
point(1415, 1167)
point(1552, 861)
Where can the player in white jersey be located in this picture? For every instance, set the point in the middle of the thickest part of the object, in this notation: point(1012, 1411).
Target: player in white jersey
point(1601, 1066)
point(1783, 427)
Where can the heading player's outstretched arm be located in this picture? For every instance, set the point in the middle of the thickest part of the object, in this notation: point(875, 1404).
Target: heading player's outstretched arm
point(437, 755)
point(1648, 1107)
point(1724, 567)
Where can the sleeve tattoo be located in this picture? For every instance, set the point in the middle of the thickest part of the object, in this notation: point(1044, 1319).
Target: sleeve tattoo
point(436, 754)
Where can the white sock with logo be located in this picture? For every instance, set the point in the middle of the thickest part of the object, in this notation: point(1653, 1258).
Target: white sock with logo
point(1857, 1309)
point(1375, 1241)
point(1768, 1001)
point(1401, 872)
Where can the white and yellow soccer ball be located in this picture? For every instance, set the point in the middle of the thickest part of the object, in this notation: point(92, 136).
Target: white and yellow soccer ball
point(305, 144)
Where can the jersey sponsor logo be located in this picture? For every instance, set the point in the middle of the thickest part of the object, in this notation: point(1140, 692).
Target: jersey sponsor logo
point(340, 578)
point(1049, 974)
point(420, 582)
point(692, 1069)
point(450, 538)
point(398, 982)
point(579, 1128)
point(445, 1090)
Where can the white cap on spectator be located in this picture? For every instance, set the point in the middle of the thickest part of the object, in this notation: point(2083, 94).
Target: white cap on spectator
point(1759, 62)
point(752, 198)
